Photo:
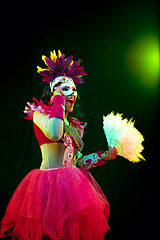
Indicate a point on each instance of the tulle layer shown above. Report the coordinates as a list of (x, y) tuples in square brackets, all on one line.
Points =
[(63, 203)]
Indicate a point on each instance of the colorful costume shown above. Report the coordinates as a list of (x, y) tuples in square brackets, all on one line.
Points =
[(61, 200)]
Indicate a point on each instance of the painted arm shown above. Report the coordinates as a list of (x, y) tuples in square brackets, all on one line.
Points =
[(96, 159), (52, 125)]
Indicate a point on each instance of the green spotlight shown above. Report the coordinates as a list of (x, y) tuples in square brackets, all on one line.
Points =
[(143, 61)]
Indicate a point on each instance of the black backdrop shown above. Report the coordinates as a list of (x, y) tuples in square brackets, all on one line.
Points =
[(98, 34)]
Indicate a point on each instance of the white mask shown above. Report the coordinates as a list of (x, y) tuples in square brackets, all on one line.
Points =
[(68, 87)]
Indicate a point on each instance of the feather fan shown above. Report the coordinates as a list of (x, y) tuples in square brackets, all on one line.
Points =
[(122, 134)]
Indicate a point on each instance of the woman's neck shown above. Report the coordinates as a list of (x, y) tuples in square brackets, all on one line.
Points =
[(66, 115), (66, 121)]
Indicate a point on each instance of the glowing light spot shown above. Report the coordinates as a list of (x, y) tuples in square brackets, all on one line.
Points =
[(143, 61)]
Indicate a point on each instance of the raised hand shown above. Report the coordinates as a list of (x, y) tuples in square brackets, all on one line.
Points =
[(110, 154)]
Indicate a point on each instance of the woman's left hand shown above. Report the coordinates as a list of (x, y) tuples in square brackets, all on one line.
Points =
[(110, 154)]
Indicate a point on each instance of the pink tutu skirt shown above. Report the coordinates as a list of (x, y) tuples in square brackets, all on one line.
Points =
[(58, 204)]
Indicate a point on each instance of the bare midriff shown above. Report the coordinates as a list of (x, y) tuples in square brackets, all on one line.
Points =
[(53, 155)]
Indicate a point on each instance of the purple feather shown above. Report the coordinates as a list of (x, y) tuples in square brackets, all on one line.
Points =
[(68, 61), (50, 64), (62, 68)]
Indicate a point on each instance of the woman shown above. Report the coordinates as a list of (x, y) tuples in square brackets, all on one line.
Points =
[(61, 200)]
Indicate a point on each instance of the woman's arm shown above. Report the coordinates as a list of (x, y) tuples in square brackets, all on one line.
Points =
[(52, 128), (96, 159), (52, 125)]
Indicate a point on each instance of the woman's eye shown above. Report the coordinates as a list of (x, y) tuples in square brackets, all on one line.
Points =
[(65, 89)]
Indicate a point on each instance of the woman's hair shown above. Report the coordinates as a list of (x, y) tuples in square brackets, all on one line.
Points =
[(77, 110)]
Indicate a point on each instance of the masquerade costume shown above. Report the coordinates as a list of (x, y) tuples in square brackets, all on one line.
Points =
[(62, 200)]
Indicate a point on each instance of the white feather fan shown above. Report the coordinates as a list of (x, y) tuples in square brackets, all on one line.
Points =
[(122, 134)]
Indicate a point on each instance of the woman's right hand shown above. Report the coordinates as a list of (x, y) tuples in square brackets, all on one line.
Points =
[(56, 92)]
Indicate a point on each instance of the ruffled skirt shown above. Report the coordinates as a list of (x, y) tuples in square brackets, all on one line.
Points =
[(60, 203)]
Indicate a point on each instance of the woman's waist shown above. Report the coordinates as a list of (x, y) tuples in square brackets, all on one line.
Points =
[(48, 163), (57, 156)]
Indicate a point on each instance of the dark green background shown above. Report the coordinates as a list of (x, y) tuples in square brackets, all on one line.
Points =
[(100, 34)]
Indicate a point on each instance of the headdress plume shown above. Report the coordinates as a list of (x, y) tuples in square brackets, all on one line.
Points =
[(61, 66)]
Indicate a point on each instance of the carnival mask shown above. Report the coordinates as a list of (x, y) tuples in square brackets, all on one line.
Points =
[(67, 85)]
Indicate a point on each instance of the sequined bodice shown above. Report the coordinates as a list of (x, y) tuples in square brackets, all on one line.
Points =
[(68, 159)]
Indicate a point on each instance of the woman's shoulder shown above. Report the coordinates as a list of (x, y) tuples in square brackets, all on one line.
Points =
[(32, 109)]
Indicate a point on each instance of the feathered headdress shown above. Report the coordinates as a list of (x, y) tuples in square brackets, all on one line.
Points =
[(59, 66)]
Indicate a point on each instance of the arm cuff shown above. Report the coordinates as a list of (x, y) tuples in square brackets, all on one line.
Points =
[(58, 107), (91, 160)]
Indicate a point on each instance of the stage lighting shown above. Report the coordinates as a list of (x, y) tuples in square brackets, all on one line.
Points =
[(143, 61)]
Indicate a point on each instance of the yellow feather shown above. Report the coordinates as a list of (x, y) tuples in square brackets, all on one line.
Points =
[(53, 56), (43, 58), (59, 53), (39, 69), (71, 63)]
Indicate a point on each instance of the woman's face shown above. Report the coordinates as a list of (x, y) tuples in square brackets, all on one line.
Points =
[(68, 90), (70, 94)]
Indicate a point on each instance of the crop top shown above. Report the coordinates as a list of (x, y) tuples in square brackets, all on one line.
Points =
[(42, 139)]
